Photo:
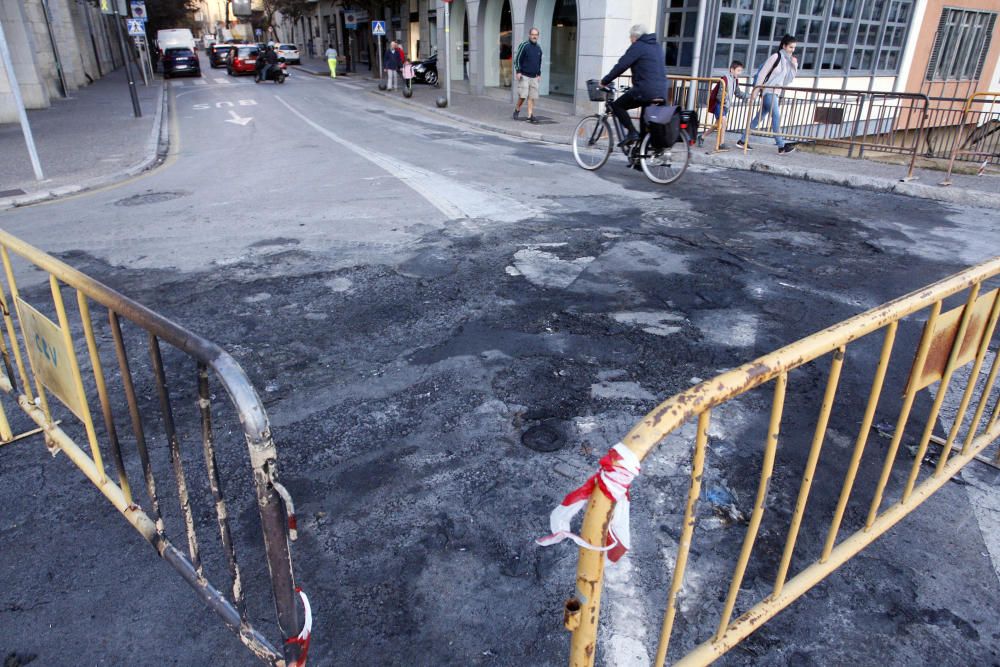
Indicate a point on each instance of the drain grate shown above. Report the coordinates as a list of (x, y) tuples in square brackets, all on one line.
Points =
[(12, 193)]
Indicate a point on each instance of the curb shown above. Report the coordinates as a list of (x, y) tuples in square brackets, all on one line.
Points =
[(873, 184), (950, 195), (156, 151)]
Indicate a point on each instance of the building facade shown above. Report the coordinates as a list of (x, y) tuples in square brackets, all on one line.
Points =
[(56, 46), (876, 45)]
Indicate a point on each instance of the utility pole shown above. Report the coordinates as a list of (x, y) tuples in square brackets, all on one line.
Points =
[(136, 109), (19, 103)]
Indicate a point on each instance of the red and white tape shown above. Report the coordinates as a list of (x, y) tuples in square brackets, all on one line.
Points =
[(618, 468), (303, 637)]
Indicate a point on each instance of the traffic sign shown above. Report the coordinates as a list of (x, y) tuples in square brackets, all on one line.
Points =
[(378, 28), (138, 9), (136, 27)]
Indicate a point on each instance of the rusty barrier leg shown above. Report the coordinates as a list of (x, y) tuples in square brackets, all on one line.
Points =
[(957, 338), (962, 138), (53, 371)]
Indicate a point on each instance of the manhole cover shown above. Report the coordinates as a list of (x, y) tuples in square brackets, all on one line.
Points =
[(544, 437), (150, 198)]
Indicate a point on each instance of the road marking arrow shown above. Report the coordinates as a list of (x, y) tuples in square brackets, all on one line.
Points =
[(238, 119)]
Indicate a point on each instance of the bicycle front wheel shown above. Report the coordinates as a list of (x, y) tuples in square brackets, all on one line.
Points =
[(592, 142), (665, 166)]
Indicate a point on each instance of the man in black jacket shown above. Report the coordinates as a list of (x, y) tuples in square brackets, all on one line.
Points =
[(649, 77), (528, 70)]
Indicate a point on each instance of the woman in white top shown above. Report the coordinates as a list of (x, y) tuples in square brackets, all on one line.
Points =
[(777, 71)]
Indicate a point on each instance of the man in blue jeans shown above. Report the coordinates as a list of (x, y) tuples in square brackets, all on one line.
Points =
[(778, 71)]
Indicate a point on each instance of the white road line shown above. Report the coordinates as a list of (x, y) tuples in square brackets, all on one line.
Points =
[(453, 199)]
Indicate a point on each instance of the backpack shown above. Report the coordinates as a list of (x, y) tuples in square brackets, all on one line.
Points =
[(756, 75), (713, 97)]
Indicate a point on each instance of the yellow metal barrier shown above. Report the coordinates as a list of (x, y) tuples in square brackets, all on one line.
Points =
[(950, 340), (992, 148), (694, 92), (44, 353)]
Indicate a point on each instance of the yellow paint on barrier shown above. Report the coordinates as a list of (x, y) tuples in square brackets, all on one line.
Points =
[(49, 356)]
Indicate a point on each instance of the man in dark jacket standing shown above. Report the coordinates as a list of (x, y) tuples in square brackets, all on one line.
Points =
[(391, 63), (649, 76), (528, 71)]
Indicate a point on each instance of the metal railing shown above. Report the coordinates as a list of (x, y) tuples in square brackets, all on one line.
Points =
[(40, 362), (982, 141), (855, 120), (692, 92), (949, 341)]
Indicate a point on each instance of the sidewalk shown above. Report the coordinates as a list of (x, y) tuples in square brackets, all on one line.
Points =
[(557, 123), (86, 141)]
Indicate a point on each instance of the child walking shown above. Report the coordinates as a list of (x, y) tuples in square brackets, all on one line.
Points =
[(721, 99)]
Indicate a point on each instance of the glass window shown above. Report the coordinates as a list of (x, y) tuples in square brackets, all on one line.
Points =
[(743, 24), (722, 59), (764, 30), (674, 24), (680, 28), (727, 21), (687, 54)]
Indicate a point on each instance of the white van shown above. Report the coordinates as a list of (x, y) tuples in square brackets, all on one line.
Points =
[(174, 38)]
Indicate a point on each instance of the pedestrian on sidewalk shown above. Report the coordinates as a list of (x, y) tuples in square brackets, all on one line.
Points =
[(331, 60), (391, 63), (528, 70), (720, 100), (778, 71)]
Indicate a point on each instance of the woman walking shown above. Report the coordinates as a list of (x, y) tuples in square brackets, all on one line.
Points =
[(778, 71)]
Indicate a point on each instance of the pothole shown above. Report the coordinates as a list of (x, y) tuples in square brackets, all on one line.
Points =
[(150, 198), (545, 436)]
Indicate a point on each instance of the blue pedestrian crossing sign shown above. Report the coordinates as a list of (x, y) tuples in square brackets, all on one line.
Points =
[(378, 28), (136, 28)]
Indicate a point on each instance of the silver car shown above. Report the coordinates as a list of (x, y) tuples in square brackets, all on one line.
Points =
[(288, 52)]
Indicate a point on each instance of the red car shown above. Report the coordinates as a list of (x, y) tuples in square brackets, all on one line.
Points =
[(242, 59)]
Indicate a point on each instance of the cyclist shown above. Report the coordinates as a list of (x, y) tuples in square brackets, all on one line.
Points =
[(649, 77)]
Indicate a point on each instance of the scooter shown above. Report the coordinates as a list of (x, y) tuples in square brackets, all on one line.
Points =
[(426, 71), (277, 73)]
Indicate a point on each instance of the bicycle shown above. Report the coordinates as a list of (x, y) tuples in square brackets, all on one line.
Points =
[(594, 138)]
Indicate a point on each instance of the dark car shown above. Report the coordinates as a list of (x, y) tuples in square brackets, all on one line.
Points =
[(178, 61), (242, 59), (217, 54)]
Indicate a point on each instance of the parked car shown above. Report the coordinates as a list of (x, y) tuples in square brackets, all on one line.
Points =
[(242, 59), (217, 54), (180, 60), (288, 52)]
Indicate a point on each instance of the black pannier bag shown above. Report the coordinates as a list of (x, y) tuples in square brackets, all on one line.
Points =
[(689, 122), (664, 125)]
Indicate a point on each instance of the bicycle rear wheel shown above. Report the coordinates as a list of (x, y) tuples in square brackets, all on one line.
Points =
[(665, 166), (592, 142)]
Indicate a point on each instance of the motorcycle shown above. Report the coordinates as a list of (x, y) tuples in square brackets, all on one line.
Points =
[(426, 71), (277, 73)]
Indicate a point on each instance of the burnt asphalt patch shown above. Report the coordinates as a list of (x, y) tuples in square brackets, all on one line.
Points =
[(401, 395)]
